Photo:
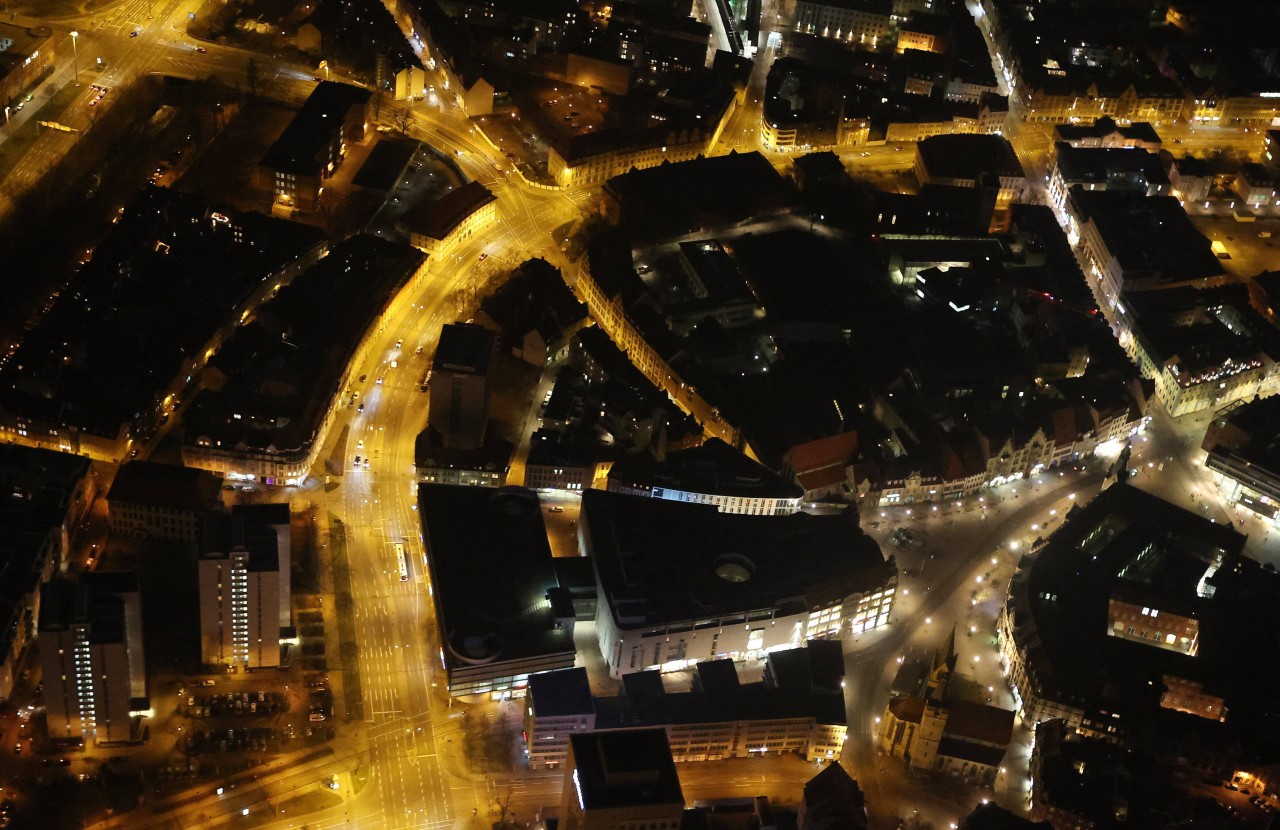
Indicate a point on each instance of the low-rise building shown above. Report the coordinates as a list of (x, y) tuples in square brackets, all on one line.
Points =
[(713, 473), (1256, 185), (1243, 446), (1104, 132), (936, 730), (1105, 168), (864, 22), (1132, 610), (797, 709), (91, 658), (148, 499), (439, 225), (313, 145), (45, 497), (494, 636), (621, 781), (1190, 179), (681, 583), (973, 161), (27, 55)]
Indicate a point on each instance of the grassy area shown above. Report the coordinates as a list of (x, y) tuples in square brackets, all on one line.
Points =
[(17, 145), (349, 652), (291, 808)]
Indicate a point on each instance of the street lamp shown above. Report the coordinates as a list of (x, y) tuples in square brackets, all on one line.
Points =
[(75, 55)]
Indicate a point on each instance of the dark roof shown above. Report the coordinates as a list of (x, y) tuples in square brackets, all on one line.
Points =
[(385, 163), (819, 666), (1096, 164), (1105, 126), (661, 561), (832, 798), (968, 156), (262, 514), (298, 149), (991, 816), (283, 368), (1150, 235), (713, 468), (464, 349), (437, 218), (558, 693), (623, 769), (951, 747), (64, 604), (978, 722), (168, 486), (482, 617), (494, 455), (536, 297)]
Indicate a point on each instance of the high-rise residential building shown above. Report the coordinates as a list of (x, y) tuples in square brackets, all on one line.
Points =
[(460, 384), (621, 781), (243, 605), (90, 642)]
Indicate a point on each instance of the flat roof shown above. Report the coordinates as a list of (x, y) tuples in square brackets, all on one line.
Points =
[(713, 468), (623, 769), (436, 219), (1097, 164), (298, 149), (169, 486), (1151, 234), (464, 349), (488, 620), (386, 163), (559, 693), (661, 561), (968, 156)]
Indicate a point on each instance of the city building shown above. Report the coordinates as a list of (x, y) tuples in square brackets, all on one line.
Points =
[(991, 816), (1190, 179), (244, 584), (91, 658), (863, 22), (566, 460), (1104, 132), (239, 604), (484, 466), (973, 161), (26, 55), (495, 635), (535, 313), (797, 709), (936, 730), (1203, 347), (460, 385), (679, 583), (823, 467), (437, 226), (313, 145), (925, 32), (713, 473), (832, 800), (148, 499), (264, 403), (1131, 241), (1243, 447), (621, 781), (1105, 168), (46, 496), (1256, 185), (1132, 620)]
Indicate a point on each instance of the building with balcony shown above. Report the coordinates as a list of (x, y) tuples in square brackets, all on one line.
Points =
[(680, 583), (91, 658)]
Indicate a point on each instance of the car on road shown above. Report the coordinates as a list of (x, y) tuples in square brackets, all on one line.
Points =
[(357, 461), (134, 33), (201, 49), (207, 682), (360, 408)]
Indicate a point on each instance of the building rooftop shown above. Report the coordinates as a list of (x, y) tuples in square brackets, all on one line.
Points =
[(299, 148), (166, 278), (64, 604), (661, 561), (555, 694), (991, 816), (1150, 236), (437, 218), (283, 368), (624, 769), (714, 468), (488, 621), (833, 799), (1103, 127), (1129, 544), (386, 163), (464, 349), (968, 156), (1098, 164), (535, 298), (166, 486)]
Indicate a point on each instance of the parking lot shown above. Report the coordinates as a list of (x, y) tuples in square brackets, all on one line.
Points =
[(1249, 247)]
